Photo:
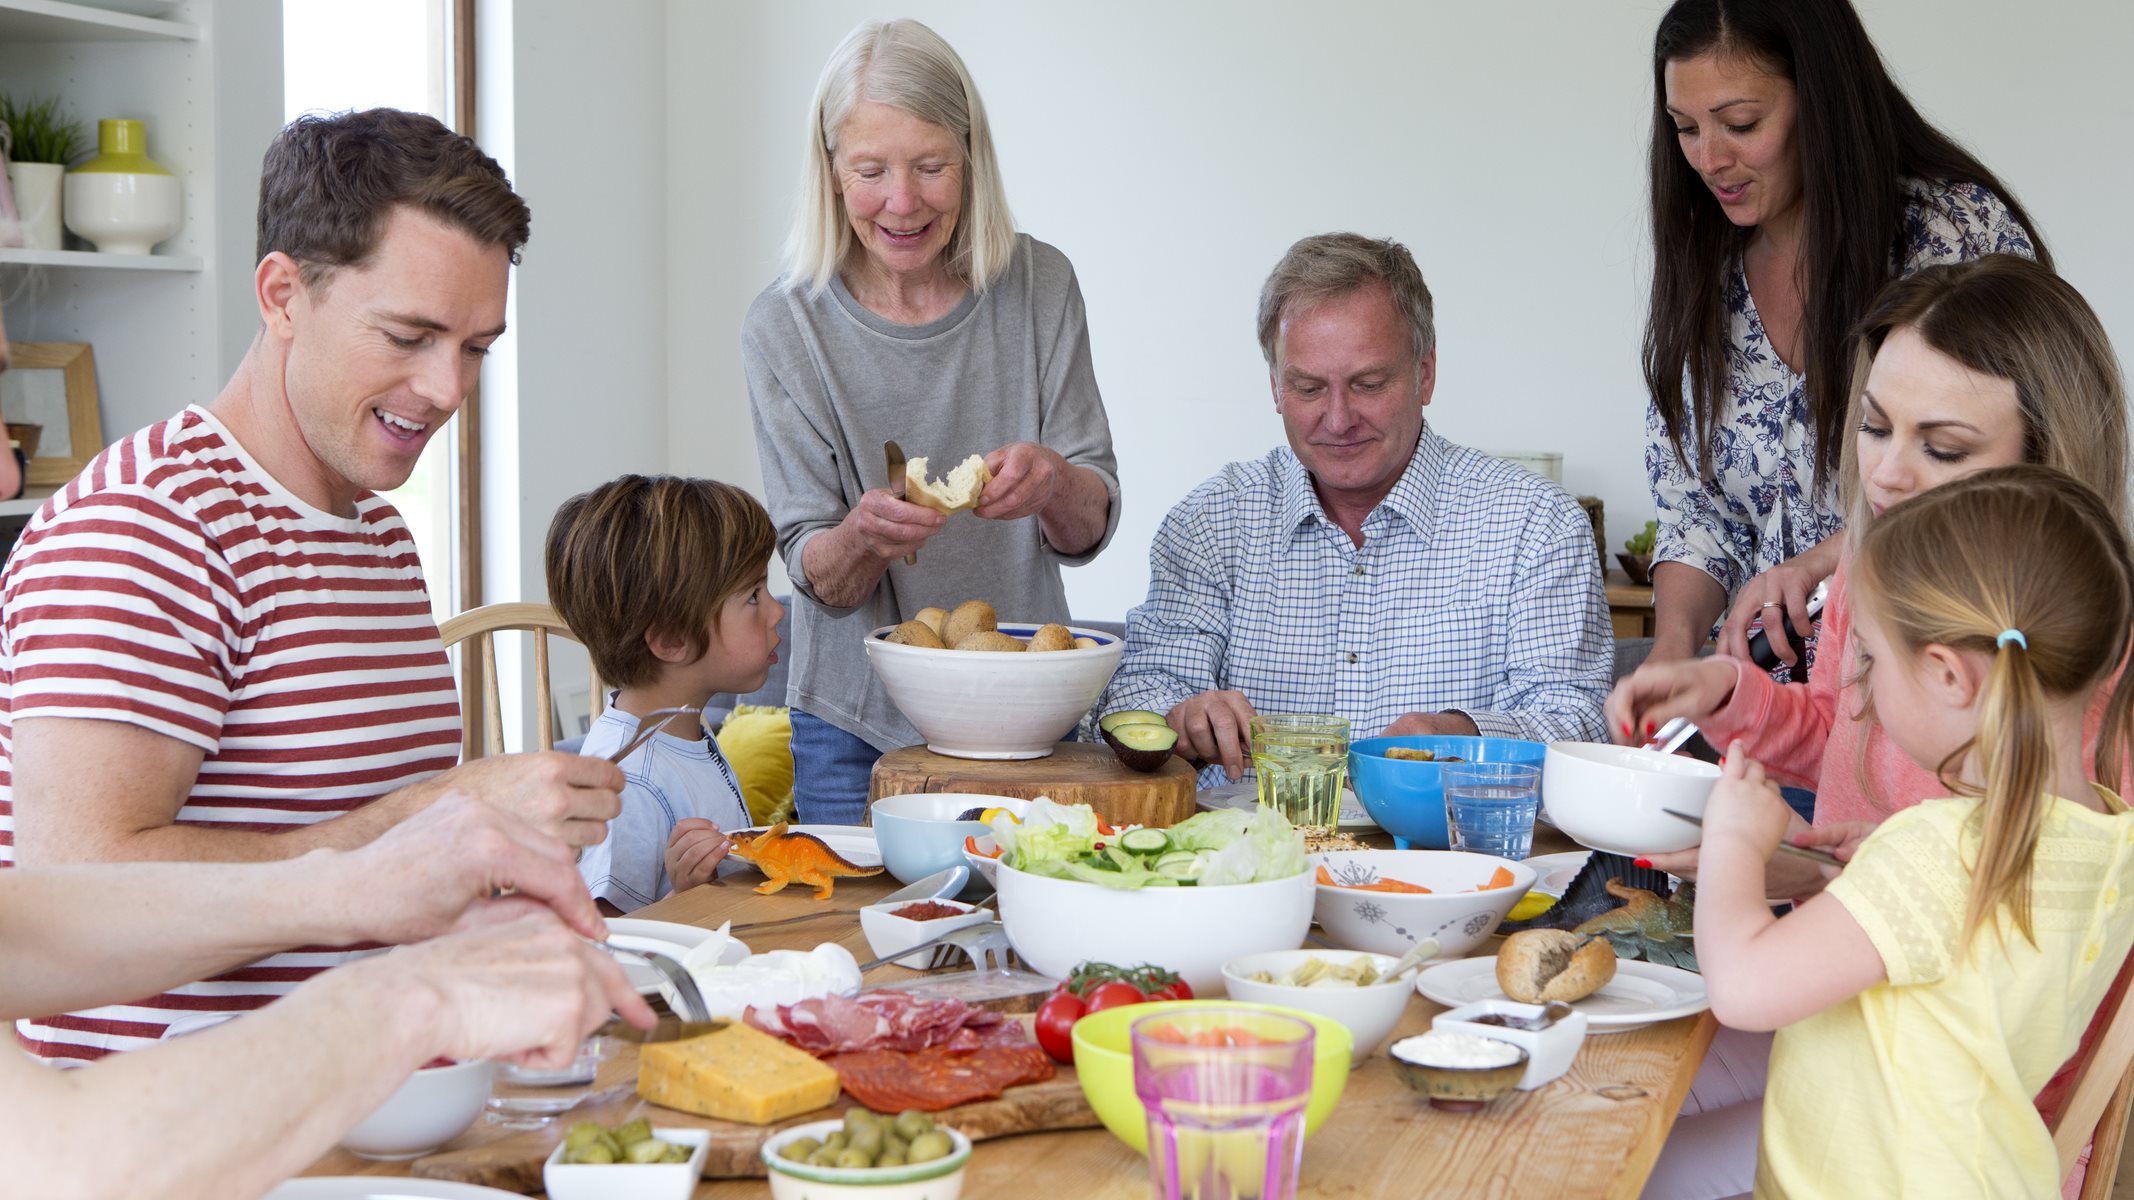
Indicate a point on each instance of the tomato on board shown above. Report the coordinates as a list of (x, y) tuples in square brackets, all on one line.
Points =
[(1116, 994), (1055, 1024)]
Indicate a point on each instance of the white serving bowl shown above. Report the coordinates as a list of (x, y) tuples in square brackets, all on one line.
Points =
[(1390, 922), (919, 833), (941, 1179), (629, 1181), (1057, 923), (1370, 1013), (994, 703), (985, 862), (1611, 797), (434, 1106), (888, 933)]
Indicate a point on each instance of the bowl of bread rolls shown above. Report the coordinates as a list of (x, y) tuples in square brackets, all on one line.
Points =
[(975, 686)]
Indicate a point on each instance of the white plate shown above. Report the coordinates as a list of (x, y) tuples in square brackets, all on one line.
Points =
[(1640, 994), (1245, 794), (1553, 873), (377, 1187), (671, 933), (853, 843)]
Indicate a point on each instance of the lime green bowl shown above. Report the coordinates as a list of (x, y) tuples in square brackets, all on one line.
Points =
[(1104, 1059)]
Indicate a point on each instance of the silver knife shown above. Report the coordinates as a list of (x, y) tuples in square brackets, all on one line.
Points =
[(895, 454), (1828, 860)]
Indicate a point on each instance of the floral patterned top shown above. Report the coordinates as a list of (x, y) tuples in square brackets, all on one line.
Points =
[(1761, 505)]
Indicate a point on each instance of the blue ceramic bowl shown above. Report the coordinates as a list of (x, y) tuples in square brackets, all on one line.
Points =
[(919, 833), (1407, 798)]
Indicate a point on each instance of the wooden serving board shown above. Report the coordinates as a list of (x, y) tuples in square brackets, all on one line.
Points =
[(1075, 773), (513, 1161)]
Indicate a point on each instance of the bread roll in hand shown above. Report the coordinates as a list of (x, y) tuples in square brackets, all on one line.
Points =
[(1539, 965)]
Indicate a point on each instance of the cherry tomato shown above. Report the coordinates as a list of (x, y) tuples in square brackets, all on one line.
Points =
[(1177, 989), (1055, 1024), (1116, 994)]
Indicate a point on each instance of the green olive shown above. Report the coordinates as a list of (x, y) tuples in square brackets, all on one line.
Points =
[(929, 1146), (635, 1131), (645, 1150), (823, 1156), (892, 1144), (581, 1133), (911, 1123), (853, 1156), (837, 1140), (857, 1119), (677, 1152), (868, 1138), (798, 1149), (890, 1160), (594, 1152)]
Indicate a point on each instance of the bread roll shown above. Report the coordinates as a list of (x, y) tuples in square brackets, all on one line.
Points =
[(932, 618), (916, 633), (1052, 637), (960, 490), (1539, 965), (971, 616), (988, 639)]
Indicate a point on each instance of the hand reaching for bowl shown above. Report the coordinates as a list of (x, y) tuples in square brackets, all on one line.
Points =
[(1658, 692)]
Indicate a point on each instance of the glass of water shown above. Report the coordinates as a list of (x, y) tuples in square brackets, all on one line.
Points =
[(1300, 760), (1491, 807), (523, 1098)]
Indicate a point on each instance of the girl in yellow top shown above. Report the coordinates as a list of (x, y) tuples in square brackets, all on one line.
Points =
[(1927, 994)]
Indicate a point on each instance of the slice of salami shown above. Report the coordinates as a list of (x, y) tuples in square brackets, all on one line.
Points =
[(937, 1078)]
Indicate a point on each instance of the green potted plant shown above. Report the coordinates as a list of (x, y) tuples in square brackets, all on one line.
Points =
[(1637, 562), (40, 140)]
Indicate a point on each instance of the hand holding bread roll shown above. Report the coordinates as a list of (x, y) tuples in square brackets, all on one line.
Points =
[(1539, 965), (957, 491)]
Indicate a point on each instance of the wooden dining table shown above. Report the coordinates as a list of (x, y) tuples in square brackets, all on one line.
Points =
[(1595, 1132)]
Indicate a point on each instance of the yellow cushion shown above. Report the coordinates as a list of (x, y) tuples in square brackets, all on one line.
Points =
[(758, 743)]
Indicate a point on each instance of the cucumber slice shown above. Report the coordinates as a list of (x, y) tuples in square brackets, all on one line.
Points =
[(1182, 865), (1145, 841)]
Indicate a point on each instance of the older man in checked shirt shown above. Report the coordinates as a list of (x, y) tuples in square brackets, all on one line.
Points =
[(1370, 568)]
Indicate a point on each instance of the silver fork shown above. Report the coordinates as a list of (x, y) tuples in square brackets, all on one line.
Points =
[(987, 945), (688, 1000), (652, 723)]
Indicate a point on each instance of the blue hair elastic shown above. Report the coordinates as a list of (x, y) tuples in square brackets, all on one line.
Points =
[(2011, 635)]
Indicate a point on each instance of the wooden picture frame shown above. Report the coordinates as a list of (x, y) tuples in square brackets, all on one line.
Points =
[(58, 458)]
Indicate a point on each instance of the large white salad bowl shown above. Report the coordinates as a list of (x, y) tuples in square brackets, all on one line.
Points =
[(1058, 923)]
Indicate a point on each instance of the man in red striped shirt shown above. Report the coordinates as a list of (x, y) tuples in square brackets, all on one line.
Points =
[(216, 642)]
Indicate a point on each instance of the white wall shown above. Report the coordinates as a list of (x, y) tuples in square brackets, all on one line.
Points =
[(1174, 149)]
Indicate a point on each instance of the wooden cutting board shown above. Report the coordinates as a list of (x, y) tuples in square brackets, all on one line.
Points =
[(513, 1161), (1075, 773)]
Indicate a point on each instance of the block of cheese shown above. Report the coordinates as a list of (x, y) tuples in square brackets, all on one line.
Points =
[(735, 1074)]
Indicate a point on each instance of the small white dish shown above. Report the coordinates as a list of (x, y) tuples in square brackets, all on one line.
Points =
[(1641, 993), (629, 1181), (1553, 873), (985, 860), (1369, 1012), (434, 1105), (941, 1179), (887, 933), (1549, 1051), (853, 843)]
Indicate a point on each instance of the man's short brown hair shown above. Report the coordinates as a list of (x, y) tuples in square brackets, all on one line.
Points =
[(1327, 265), (329, 183), (652, 553)]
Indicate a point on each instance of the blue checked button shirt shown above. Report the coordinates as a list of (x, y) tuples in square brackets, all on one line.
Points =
[(1477, 590)]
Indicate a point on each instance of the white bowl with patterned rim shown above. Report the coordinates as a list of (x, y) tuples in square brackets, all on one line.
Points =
[(1000, 704), (1458, 910), (939, 1179)]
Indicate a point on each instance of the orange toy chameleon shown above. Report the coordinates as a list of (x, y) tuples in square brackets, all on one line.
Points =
[(795, 858)]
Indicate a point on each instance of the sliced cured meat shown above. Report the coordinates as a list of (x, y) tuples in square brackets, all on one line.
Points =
[(877, 1020), (938, 1078)]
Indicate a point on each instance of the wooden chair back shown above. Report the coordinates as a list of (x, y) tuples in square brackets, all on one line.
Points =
[(478, 696), (2096, 1110)]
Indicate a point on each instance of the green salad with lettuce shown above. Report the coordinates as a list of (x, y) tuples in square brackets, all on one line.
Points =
[(1209, 849)]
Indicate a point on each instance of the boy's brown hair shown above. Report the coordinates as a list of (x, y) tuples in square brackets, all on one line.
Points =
[(329, 183), (652, 553)]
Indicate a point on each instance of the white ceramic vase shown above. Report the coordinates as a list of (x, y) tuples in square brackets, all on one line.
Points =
[(37, 202), (122, 201)]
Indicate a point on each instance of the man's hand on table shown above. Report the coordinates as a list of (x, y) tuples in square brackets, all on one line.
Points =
[(1215, 727), (525, 991), (458, 864), (1439, 724), (570, 797)]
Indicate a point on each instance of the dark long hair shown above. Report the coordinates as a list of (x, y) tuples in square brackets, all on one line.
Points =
[(1859, 137)]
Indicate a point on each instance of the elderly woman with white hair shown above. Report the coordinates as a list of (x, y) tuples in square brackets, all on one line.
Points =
[(911, 310)]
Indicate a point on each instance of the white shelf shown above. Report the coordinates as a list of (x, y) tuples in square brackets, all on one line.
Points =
[(94, 260), (58, 21)]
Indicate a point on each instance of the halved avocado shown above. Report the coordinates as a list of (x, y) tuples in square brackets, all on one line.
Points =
[(1127, 716), (1143, 747)]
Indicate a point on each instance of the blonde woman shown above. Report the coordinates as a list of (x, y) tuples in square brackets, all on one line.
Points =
[(911, 310)]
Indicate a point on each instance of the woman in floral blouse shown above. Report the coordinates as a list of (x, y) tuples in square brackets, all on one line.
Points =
[(1791, 179)]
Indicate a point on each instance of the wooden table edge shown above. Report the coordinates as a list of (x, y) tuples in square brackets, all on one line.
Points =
[(1645, 1152)]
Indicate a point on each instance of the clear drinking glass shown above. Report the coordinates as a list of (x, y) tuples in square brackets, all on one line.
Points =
[(1300, 760), (521, 1098), (1225, 1090), (1491, 807)]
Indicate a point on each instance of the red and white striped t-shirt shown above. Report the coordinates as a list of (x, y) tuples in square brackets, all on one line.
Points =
[(176, 586)]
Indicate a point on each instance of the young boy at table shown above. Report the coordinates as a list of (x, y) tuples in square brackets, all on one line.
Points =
[(1930, 990), (663, 580)]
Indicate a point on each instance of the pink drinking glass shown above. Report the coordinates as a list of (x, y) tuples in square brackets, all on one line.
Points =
[(1225, 1090)]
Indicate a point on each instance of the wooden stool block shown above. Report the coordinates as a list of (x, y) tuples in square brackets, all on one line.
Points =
[(1076, 773)]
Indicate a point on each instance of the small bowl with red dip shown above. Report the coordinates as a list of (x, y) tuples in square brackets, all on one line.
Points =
[(896, 927), (435, 1105)]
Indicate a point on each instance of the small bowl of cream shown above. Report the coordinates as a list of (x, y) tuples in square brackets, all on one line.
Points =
[(1457, 1071)]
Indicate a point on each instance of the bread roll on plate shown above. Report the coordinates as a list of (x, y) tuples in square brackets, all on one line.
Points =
[(1539, 965)]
